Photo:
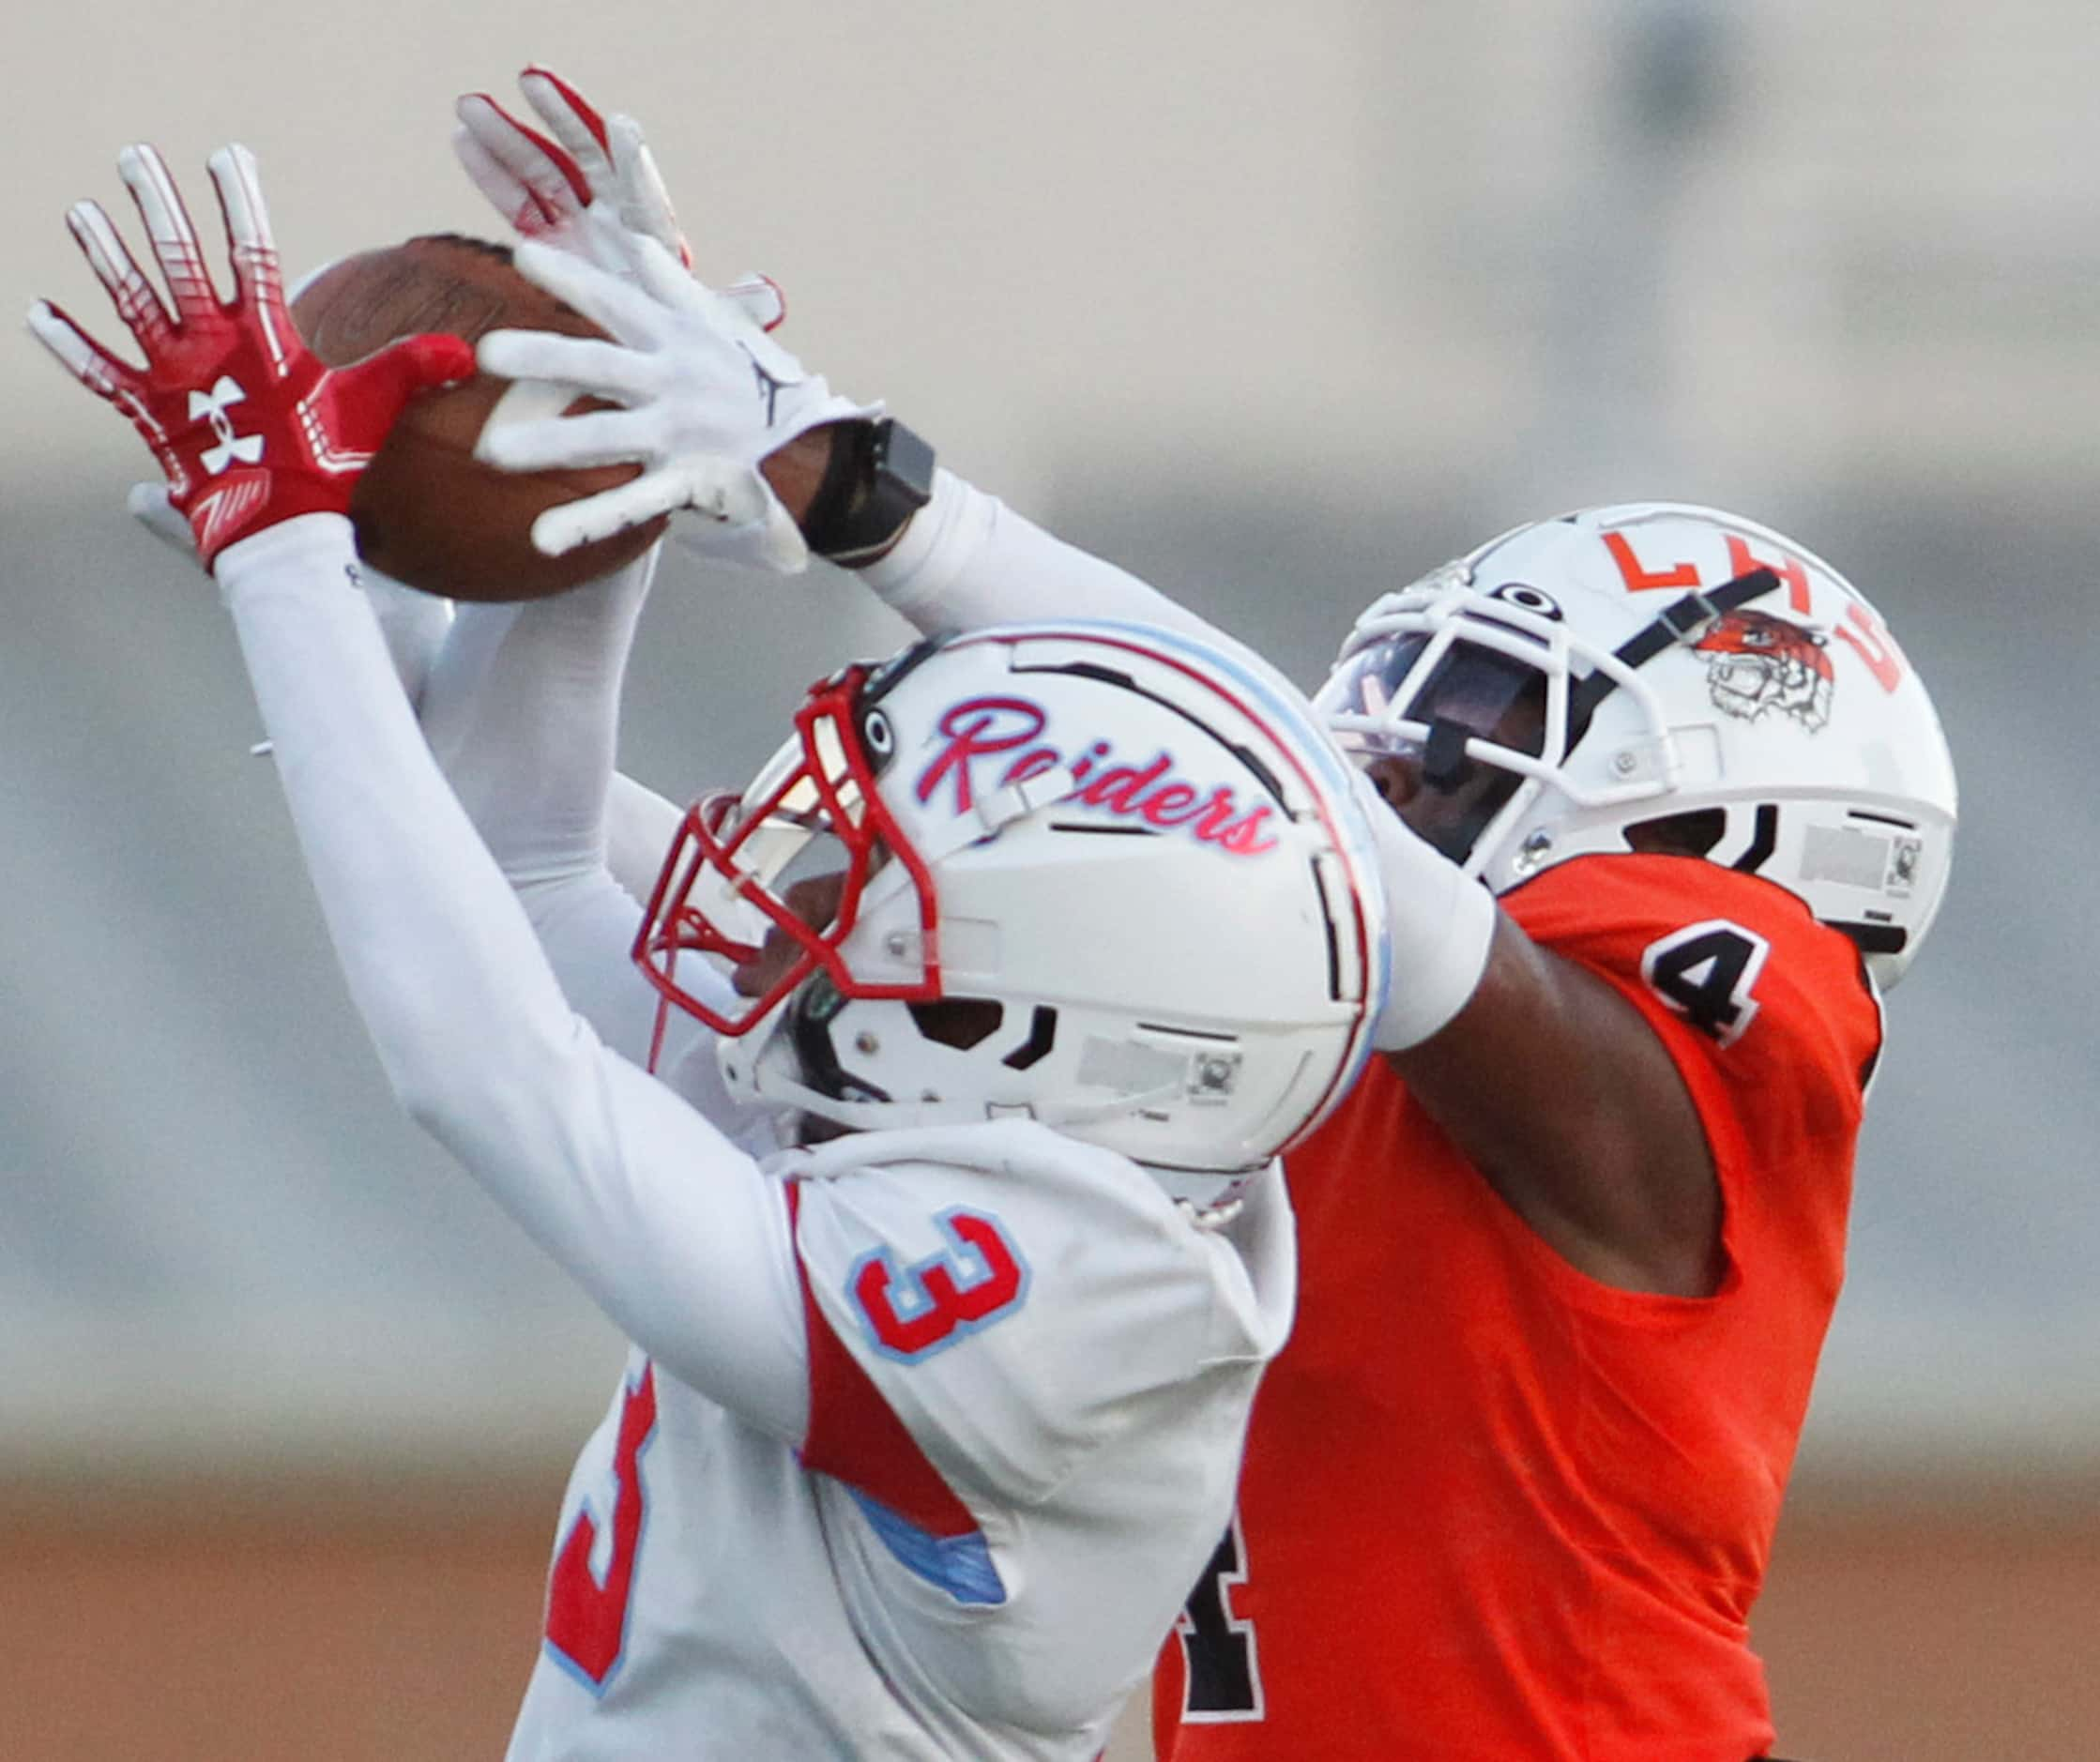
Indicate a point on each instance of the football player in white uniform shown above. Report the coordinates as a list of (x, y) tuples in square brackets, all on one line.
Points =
[(1022, 962)]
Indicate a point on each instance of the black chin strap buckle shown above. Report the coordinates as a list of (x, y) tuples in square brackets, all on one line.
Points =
[(1687, 617)]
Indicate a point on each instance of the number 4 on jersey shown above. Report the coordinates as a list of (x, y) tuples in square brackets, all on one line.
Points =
[(1706, 973), (1222, 1675)]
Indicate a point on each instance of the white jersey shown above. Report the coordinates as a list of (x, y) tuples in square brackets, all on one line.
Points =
[(926, 1434), (1029, 1378)]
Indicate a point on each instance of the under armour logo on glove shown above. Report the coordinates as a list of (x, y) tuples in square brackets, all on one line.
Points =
[(212, 407), (204, 355)]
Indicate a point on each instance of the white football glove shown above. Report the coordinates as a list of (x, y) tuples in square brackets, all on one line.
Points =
[(706, 395), (541, 187)]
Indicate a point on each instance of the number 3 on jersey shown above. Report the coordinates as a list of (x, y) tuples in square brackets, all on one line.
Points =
[(913, 1312), (1706, 973), (586, 1609)]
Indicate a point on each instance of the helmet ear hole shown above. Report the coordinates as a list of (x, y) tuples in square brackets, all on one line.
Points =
[(958, 1022), (1691, 834)]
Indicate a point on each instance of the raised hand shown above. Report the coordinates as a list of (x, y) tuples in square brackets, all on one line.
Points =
[(706, 395), (250, 428), (544, 186)]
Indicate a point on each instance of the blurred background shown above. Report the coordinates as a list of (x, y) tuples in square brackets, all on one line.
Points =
[(1279, 307)]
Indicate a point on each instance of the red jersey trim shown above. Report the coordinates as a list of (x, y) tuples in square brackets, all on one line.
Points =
[(855, 1436)]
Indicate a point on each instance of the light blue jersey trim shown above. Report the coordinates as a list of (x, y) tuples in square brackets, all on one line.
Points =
[(959, 1565), (908, 1301)]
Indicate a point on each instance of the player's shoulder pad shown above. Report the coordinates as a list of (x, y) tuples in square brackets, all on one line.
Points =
[(1733, 969), (1016, 1297)]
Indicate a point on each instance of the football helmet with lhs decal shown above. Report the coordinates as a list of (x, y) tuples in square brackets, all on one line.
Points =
[(1103, 877), (1661, 677)]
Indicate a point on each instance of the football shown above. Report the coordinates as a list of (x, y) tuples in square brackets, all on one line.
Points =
[(426, 512)]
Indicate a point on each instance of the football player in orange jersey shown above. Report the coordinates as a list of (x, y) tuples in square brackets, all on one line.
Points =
[(1567, 1264), (1669, 810)]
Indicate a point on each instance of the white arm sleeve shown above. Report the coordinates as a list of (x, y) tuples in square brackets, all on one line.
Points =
[(671, 1229), (1439, 925), (967, 560), (522, 711), (414, 625), (639, 827)]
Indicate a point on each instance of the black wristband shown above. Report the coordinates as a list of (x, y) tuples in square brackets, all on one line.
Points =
[(879, 474)]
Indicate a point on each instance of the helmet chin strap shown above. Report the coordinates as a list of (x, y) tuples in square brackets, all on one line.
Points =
[(1681, 621)]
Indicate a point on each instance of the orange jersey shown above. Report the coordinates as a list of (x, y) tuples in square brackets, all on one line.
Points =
[(1492, 1510)]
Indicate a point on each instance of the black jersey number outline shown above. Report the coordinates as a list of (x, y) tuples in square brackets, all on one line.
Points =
[(1706, 972), (1221, 1674)]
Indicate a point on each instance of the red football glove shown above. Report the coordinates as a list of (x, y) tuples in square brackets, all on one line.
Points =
[(250, 429)]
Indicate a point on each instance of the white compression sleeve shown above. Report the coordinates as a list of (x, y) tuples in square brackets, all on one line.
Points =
[(967, 560), (639, 827), (522, 710), (672, 1230), (413, 624), (1440, 924)]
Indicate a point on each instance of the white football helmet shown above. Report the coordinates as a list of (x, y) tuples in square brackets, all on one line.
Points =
[(1661, 677), (1099, 875)]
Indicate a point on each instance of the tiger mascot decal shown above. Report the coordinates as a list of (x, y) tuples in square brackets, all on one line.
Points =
[(1756, 662)]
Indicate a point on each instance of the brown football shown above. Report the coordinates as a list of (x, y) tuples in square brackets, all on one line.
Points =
[(427, 512)]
